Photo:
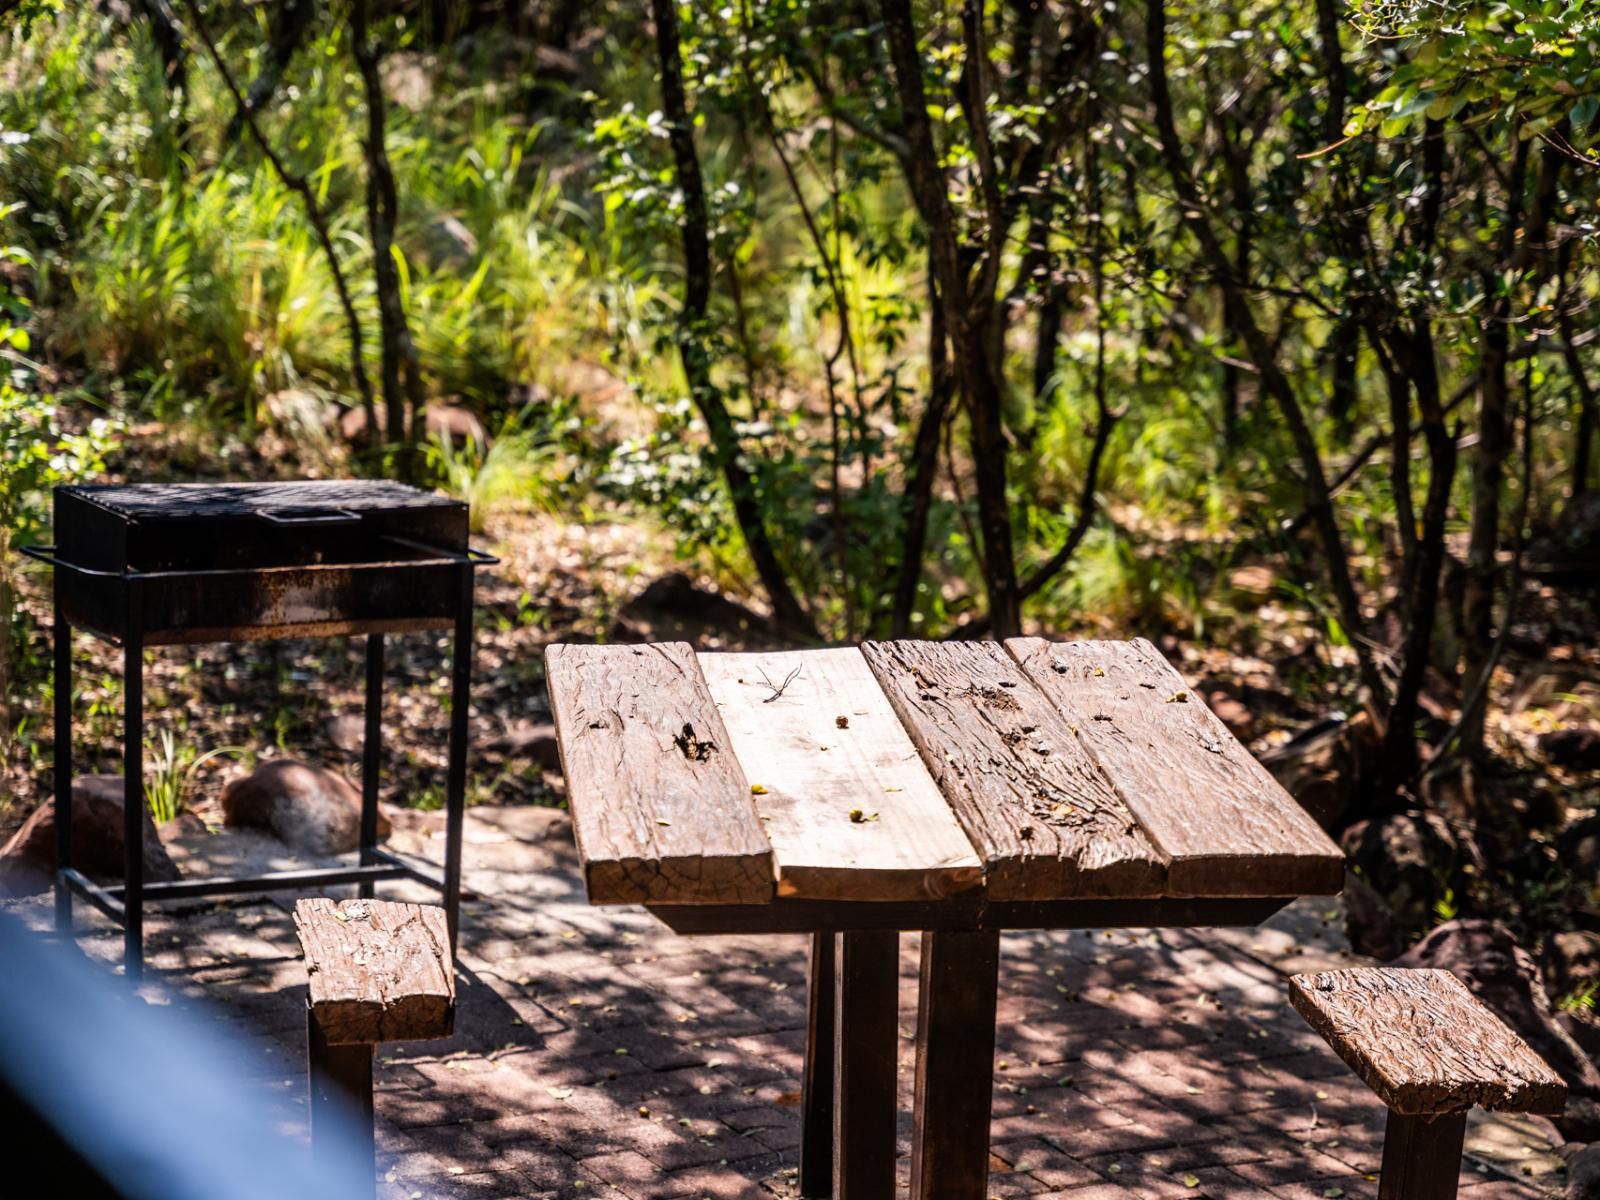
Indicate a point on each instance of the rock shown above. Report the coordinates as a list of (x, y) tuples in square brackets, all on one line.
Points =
[(533, 740), (450, 422), (301, 412), (312, 809), (348, 732), (675, 608), (1484, 956), (28, 860), (1576, 747), (1578, 848), (1323, 766), (1571, 960), (1583, 1174), (1396, 857)]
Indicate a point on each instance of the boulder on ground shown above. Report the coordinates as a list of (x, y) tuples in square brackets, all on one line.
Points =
[(1583, 1173), (28, 860), (311, 809), (532, 740), (449, 422), (1578, 849), (675, 608), (1484, 956), (1571, 961)]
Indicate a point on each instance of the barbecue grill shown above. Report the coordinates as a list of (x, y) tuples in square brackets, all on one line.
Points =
[(168, 564)]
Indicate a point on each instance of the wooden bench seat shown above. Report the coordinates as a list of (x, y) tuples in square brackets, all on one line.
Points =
[(377, 971), (1430, 1050)]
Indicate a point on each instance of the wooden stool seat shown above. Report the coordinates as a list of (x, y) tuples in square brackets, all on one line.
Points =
[(1430, 1050), (378, 972)]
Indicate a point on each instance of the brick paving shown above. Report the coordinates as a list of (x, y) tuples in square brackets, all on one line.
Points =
[(599, 1055)]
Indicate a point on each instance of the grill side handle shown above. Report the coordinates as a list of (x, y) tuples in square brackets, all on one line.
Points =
[(303, 516)]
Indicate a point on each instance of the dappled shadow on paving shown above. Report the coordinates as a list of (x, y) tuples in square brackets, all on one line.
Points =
[(598, 1054)]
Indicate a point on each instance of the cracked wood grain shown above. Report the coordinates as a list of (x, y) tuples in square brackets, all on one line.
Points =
[(850, 810), (661, 809), (1424, 1043), (1225, 826), (1044, 820), (378, 971)]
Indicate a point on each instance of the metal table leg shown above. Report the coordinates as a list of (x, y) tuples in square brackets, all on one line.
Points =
[(371, 751), (133, 783), (816, 1095), (456, 779), (955, 1066), (63, 797), (866, 1041)]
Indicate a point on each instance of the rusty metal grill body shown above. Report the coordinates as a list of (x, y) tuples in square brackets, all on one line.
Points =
[(168, 564)]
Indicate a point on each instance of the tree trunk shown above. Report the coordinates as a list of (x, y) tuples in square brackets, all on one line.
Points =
[(787, 612), (970, 318), (400, 374), (918, 497)]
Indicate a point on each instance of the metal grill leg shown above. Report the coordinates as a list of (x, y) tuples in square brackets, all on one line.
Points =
[(63, 798), (456, 780), (371, 750), (133, 785), (816, 1096)]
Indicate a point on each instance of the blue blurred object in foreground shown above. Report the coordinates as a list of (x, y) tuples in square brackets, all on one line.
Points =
[(102, 1094)]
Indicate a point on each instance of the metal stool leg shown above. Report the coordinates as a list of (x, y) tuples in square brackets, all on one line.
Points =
[(456, 780), (133, 785), (816, 1096), (63, 797), (371, 750)]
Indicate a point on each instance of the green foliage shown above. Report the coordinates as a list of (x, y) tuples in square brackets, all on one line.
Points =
[(170, 773), (1533, 63)]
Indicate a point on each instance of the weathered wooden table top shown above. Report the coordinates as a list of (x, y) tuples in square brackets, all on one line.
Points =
[(916, 771)]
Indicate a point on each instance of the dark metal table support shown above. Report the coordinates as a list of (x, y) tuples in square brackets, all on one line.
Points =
[(866, 1044), (132, 783), (125, 903), (816, 1085), (956, 1003), (1422, 1156), (456, 776), (371, 752), (63, 796)]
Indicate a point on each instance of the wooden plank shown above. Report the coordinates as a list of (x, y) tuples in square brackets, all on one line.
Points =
[(1224, 824), (1046, 823), (850, 810), (379, 971), (1424, 1043), (661, 810)]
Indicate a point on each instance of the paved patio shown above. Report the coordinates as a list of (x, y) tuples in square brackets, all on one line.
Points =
[(599, 1055)]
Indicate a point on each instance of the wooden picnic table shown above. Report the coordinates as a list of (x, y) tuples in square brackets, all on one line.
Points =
[(957, 788)]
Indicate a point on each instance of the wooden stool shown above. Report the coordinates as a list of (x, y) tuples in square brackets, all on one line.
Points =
[(1430, 1050), (378, 972)]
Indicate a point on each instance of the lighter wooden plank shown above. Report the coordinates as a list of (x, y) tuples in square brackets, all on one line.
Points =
[(1045, 822), (378, 971), (661, 810), (828, 745), (1224, 824), (1424, 1043)]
